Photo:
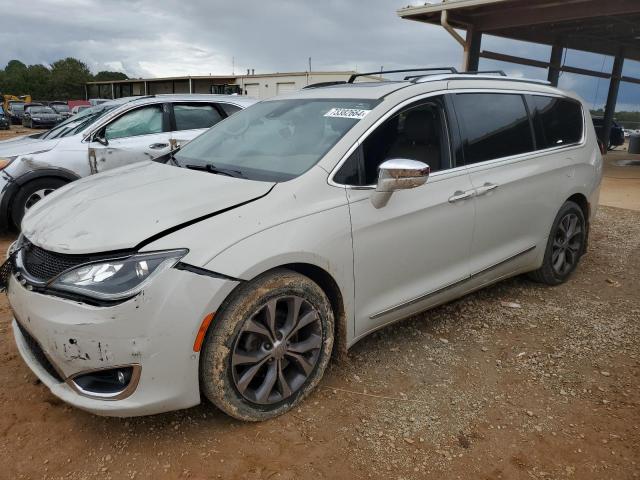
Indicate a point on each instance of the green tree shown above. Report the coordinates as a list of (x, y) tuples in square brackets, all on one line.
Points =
[(38, 82), (15, 78), (68, 78), (107, 75)]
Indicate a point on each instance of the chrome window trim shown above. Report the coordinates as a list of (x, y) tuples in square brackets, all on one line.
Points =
[(422, 96)]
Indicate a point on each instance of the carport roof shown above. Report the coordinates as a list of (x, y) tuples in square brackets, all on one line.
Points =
[(599, 26)]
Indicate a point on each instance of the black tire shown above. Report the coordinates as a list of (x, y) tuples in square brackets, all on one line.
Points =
[(234, 336), (564, 244), (26, 196)]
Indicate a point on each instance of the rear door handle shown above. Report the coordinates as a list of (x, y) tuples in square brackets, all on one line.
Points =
[(486, 188), (158, 146), (460, 195)]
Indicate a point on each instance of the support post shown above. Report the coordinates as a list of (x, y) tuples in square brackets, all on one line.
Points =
[(612, 96), (555, 63), (113, 91), (190, 85), (472, 51), (146, 88)]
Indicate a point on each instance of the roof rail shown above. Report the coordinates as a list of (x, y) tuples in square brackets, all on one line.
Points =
[(477, 76), (380, 72), (324, 84)]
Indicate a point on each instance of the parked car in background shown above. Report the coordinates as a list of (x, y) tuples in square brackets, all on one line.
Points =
[(101, 138), (61, 108), (616, 136), (79, 108), (5, 123), (15, 111), (39, 116), (294, 228)]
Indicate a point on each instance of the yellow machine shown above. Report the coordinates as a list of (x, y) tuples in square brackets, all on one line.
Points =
[(14, 98)]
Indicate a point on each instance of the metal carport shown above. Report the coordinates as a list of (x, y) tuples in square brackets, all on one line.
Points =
[(610, 27)]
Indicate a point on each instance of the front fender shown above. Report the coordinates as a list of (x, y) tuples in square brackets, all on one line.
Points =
[(322, 240)]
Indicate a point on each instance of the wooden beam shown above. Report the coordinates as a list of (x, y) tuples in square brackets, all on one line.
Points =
[(612, 97), (555, 62), (536, 13), (501, 57)]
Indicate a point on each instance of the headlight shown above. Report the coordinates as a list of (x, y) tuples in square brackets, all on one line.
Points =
[(37, 119), (117, 278), (5, 161)]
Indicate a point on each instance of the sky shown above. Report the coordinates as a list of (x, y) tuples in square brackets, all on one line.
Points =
[(155, 38)]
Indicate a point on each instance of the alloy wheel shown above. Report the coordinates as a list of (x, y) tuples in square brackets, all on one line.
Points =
[(567, 244), (36, 196), (276, 350)]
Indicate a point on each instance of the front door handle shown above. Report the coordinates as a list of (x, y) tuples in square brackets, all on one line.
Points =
[(460, 195), (158, 146), (486, 188)]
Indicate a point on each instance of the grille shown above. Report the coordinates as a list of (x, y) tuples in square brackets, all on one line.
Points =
[(39, 355), (44, 265)]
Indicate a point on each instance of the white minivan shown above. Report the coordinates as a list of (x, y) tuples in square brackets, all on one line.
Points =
[(290, 231), (105, 136)]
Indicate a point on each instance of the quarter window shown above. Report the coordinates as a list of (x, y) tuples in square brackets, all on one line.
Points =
[(493, 125), (557, 121), (142, 121), (195, 115)]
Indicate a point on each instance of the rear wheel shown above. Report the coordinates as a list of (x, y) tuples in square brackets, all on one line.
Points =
[(30, 194), (565, 246), (269, 346)]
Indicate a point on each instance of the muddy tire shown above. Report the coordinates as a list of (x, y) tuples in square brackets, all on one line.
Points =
[(565, 246), (268, 346), (31, 193)]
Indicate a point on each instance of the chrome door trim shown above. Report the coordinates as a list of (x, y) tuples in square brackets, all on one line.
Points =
[(438, 291)]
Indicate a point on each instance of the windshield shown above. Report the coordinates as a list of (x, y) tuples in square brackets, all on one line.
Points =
[(79, 122), (276, 140), (34, 110), (60, 108), (17, 107)]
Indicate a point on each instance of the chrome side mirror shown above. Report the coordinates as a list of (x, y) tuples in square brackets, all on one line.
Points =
[(401, 174)]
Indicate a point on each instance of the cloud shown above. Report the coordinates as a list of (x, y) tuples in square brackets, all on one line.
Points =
[(154, 38)]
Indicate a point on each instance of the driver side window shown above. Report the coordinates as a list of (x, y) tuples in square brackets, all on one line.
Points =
[(417, 132), (141, 121)]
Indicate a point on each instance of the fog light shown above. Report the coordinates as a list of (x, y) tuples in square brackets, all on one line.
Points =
[(104, 382)]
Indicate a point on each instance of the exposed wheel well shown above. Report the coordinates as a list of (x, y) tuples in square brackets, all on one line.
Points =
[(329, 286), (583, 203)]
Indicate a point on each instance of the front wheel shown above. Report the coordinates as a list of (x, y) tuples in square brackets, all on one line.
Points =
[(565, 246), (268, 347), (30, 194)]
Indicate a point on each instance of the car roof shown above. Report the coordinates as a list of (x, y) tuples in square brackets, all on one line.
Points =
[(364, 90)]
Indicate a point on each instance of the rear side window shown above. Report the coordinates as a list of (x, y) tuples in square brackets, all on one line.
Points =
[(493, 125), (557, 121), (195, 115)]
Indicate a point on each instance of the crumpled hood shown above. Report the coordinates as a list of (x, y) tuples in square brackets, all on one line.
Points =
[(25, 145), (122, 208)]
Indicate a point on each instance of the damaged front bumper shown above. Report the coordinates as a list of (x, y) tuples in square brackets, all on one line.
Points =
[(146, 343)]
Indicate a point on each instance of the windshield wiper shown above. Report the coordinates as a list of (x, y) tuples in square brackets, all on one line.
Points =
[(209, 167)]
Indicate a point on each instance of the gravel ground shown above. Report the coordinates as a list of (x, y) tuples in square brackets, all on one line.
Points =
[(516, 381)]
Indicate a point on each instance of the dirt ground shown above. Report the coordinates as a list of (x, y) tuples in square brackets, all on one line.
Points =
[(518, 381)]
